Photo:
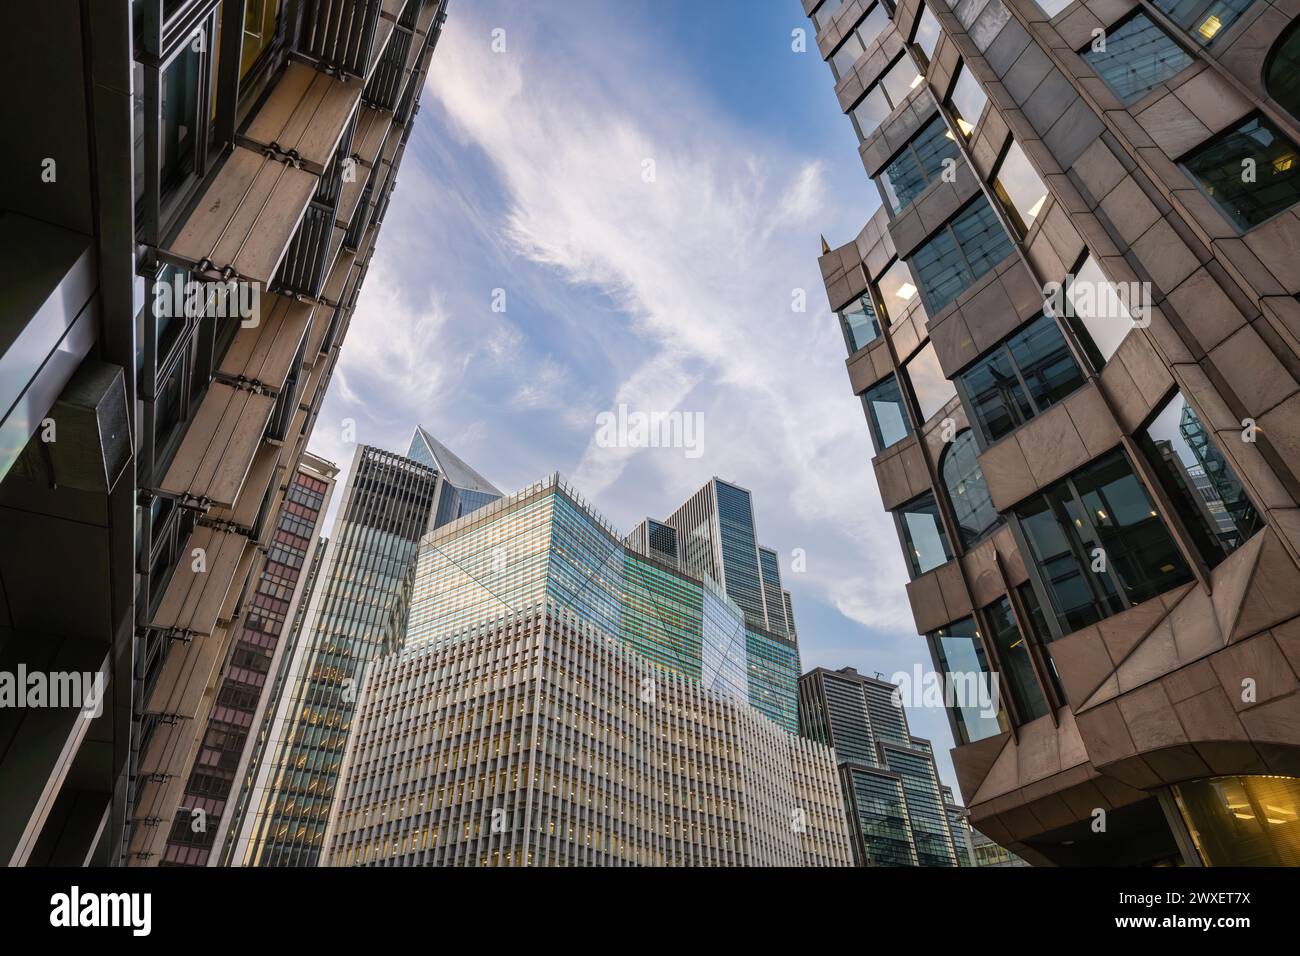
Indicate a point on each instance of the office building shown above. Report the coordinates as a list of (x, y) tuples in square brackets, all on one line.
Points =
[(898, 812), (186, 220), (1074, 332)]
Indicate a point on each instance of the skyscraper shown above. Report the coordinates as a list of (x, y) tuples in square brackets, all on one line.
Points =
[(357, 612), (563, 698), (898, 812), (1081, 285), (187, 218)]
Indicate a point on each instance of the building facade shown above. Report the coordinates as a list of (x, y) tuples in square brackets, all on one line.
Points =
[(538, 739), (188, 221), (1074, 330), (357, 612), (898, 812)]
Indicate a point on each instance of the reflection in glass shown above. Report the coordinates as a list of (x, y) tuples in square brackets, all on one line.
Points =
[(1137, 56), (958, 652), (1018, 187), (925, 541), (1203, 19), (896, 289), (958, 253), (930, 386), (1097, 313), (967, 491), (919, 163), (1017, 669), (1243, 821), (885, 413), (180, 100), (858, 319), (927, 33), (1217, 167), (967, 100)]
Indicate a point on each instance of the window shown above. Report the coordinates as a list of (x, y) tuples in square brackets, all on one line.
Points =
[(1282, 76), (885, 413), (1136, 57), (1053, 7), (930, 386), (967, 101), (180, 107), (896, 289), (1217, 167), (885, 95), (856, 42), (1099, 544), (858, 320), (926, 35), (1096, 312), (1024, 376), (919, 163), (825, 10), (259, 31), (925, 543), (967, 492), (1209, 498), (1243, 821), (1203, 19), (963, 249), (1017, 668), (959, 655), (1019, 188)]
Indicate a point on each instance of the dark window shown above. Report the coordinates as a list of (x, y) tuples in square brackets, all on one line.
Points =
[(1203, 19), (1209, 498), (959, 655), (1254, 146), (924, 540), (180, 106), (885, 413), (1025, 375), (1282, 77), (858, 320), (1099, 543), (963, 249), (919, 163), (1136, 57), (1017, 668), (967, 491), (1039, 631)]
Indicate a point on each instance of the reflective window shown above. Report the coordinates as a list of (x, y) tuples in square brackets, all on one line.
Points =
[(960, 653), (180, 101), (885, 413), (1099, 544), (961, 251), (1097, 313), (1282, 77), (919, 163), (967, 491), (1203, 19), (858, 319), (1218, 166), (1243, 821), (901, 79), (1017, 668), (1053, 7), (1019, 188), (259, 30), (930, 386), (825, 11), (885, 95), (1136, 57), (1210, 500), (927, 32), (1024, 376), (856, 42), (925, 543), (896, 289), (967, 100)]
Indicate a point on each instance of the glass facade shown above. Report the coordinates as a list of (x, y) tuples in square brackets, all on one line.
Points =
[(1016, 667), (962, 250), (1255, 146), (859, 322), (925, 543), (959, 656), (1282, 75), (1019, 188), (885, 95), (886, 413), (1099, 544), (740, 573), (1024, 376), (926, 813), (932, 388), (878, 814), (897, 291), (968, 493), (1136, 57), (858, 39), (919, 163), (1243, 821), (1203, 19), (773, 663), (967, 101)]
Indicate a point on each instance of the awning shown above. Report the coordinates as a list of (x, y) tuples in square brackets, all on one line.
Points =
[(304, 117), (262, 355), (260, 476), (193, 600), (217, 450)]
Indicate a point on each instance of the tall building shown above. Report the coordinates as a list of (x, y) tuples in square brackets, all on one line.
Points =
[(564, 699), (1080, 285), (898, 812), (186, 221), (357, 612)]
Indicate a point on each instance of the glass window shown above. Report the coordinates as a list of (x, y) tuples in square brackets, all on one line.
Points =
[(180, 101), (856, 41), (825, 11), (961, 251), (1211, 501), (885, 95), (925, 543), (1096, 312), (1218, 166), (901, 79), (1017, 668), (1019, 188), (870, 111), (1135, 57), (927, 32), (967, 100), (846, 54), (1053, 7), (885, 413), (1243, 821), (1099, 543), (1024, 376), (967, 491), (930, 386), (959, 654), (1282, 77), (896, 289), (919, 163), (259, 30), (858, 319), (1203, 19)]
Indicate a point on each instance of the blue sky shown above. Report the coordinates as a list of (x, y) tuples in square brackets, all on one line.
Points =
[(525, 174)]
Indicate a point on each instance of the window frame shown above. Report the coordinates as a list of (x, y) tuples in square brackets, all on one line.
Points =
[(1000, 518), (1228, 217), (909, 149), (873, 426), (1121, 22), (878, 84), (898, 512), (948, 228)]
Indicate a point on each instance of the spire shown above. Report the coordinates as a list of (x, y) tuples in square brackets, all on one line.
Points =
[(825, 248)]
